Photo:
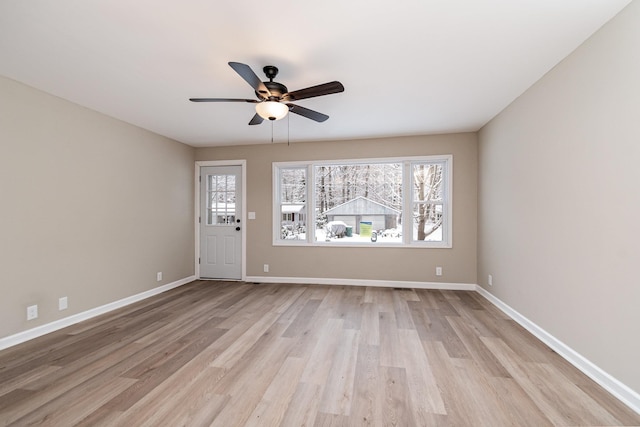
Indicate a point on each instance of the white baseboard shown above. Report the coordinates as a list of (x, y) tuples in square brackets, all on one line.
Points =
[(621, 391), (38, 331), (359, 282)]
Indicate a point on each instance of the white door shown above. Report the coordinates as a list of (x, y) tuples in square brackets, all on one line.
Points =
[(220, 222)]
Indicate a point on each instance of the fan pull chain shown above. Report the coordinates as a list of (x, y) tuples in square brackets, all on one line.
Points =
[(288, 122), (272, 131)]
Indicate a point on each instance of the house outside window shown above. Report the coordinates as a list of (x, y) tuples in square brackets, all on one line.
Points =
[(291, 203), (371, 202)]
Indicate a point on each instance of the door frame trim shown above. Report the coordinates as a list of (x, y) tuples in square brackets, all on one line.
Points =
[(243, 167)]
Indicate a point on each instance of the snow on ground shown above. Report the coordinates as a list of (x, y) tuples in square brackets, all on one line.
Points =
[(321, 236)]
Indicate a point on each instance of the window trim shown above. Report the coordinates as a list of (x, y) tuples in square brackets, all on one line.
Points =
[(407, 201)]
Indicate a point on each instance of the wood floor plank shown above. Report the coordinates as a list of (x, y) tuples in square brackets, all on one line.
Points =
[(521, 410), (485, 407), (251, 383), (394, 400), (402, 312), (331, 420), (303, 318), (573, 398), (561, 401), (232, 354), (369, 296), (384, 299), (179, 396), (320, 359), (370, 327), (303, 407), (84, 402), (420, 319), (350, 310), (408, 294), (200, 412), (65, 379), (424, 393), (273, 405), (441, 330), (613, 406), (254, 306), (229, 357), (237, 294), (55, 353), (11, 400), (473, 320), (365, 409), (19, 381), (427, 298), (443, 303), (476, 347), (338, 389), (178, 400), (308, 338), (459, 411), (156, 373), (390, 346), (489, 307), (520, 340), (331, 304)]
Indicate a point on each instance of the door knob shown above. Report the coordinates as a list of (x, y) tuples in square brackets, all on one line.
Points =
[(237, 228)]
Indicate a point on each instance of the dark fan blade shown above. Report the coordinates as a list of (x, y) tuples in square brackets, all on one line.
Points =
[(221, 100), (310, 92), (250, 77), (309, 114), (256, 120)]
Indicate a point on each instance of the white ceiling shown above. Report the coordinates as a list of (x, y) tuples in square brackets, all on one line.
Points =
[(408, 67)]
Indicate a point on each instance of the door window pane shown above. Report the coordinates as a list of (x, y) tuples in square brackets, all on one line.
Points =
[(221, 199)]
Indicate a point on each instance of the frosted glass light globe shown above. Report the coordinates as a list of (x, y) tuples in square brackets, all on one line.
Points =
[(272, 110)]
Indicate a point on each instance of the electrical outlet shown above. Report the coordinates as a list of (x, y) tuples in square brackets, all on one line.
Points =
[(490, 280), (32, 312), (63, 303), (266, 268), (159, 276), (438, 271)]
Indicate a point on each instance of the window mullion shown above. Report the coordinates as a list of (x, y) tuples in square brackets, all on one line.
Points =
[(277, 203), (311, 203), (407, 203)]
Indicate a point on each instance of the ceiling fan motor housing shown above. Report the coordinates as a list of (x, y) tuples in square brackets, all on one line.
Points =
[(276, 89)]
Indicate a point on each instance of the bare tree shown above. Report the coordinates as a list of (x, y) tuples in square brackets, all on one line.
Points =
[(428, 186)]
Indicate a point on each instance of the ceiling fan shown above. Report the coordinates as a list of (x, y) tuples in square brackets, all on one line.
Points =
[(274, 99)]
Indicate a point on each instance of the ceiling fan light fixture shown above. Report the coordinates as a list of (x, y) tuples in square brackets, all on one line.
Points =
[(272, 110)]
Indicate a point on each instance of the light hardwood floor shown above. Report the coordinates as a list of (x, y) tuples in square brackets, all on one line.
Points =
[(235, 354)]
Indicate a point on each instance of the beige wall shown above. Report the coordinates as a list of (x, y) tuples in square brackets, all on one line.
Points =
[(91, 208), (559, 211), (398, 264)]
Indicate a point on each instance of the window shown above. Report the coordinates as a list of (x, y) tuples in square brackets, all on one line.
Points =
[(291, 203), (427, 201), (221, 199), (373, 202), (358, 201)]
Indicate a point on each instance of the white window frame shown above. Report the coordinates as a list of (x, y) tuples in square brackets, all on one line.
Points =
[(407, 202)]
